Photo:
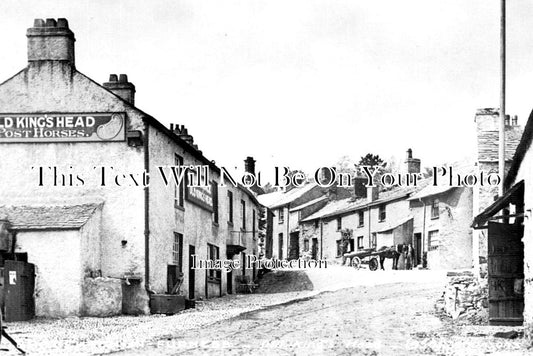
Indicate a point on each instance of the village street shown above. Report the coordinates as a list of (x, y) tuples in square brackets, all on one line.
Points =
[(347, 312), (380, 319)]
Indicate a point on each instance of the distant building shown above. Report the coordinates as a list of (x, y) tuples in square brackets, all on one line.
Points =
[(433, 220)]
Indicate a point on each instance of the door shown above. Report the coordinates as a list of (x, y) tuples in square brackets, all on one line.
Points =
[(229, 283), (19, 285), (418, 249), (294, 248), (191, 272), (505, 274), (314, 248)]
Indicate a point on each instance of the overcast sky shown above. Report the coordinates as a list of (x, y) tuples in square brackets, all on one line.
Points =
[(300, 83)]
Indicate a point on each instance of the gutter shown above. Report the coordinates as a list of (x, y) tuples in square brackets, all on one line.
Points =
[(146, 213), (423, 232)]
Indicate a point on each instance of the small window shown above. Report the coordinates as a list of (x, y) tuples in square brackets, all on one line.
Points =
[(435, 209), (316, 224), (433, 240), (230, 207), (243, 214), (281, 216), (213, 253), (360, 242), (361, 219), (339, 224), (178, 189), (306, 245), (382, 213)]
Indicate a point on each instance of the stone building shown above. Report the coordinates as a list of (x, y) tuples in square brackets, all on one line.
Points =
[(434, 220), (285, 210), (487, 134), (506, 224), (77, 157)]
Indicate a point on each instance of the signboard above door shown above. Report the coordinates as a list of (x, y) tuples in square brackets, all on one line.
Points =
[(62, 127)]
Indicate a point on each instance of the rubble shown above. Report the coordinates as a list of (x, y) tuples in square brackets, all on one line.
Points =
[(465, 298)]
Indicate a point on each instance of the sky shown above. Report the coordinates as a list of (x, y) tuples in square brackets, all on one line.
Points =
[(300, 83)]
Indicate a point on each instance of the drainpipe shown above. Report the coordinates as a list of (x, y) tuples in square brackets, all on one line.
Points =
[(370, 231), (288, 230), (423, 231), (146, 214), (321, 238)]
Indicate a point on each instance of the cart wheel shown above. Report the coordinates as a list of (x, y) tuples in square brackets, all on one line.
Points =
[(356, 262), (373, 264)]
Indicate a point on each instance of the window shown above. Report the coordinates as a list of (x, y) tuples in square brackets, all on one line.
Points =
[(316, 224), (253, 223), (360, 242), (382, 213), (281, 217), (361, 218), (280, 246), (306, 245), (230, 207), (177, 251), (243, 214), (213, 254), (339, 224), (214, 192), (433, 240), (178, 189), (435, 209)]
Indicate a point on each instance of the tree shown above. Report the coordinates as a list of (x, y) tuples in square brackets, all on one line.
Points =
[(371, 160)]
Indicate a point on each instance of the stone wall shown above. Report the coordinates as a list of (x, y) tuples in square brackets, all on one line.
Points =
[(465, 298)]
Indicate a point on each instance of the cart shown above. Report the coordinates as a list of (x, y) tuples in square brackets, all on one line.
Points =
[(369, 256)]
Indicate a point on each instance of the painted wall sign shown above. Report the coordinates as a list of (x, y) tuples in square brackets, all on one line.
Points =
[(200, 196), (64, 127)]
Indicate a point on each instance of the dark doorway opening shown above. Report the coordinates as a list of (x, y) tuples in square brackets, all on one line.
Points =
[(418, 249), (191, 272)]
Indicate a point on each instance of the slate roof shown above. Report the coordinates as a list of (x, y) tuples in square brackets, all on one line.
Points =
[(487, 147), (309, 203), (46, 217), (394, 224), (280, 198)]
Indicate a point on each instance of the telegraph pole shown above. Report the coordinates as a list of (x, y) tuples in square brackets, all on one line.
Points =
[(501, 147)]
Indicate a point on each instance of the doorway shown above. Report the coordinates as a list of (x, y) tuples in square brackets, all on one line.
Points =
[(191, 272), (418, 249), (294, 249)]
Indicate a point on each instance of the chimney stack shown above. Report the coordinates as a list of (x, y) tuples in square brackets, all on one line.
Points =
[(372, 194), (412, 165), (249, 165), (359, 187), (121, 87), (50, 40)]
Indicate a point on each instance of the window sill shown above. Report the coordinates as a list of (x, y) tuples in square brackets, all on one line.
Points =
[(230, 223), (215, 224), (435, 217), (177, 207)]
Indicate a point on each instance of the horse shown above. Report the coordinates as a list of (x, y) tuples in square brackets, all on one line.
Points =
[(390, 252)]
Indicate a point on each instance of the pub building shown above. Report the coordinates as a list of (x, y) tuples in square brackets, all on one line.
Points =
[(104, 249)]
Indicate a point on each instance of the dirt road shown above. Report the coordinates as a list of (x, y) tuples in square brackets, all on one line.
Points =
[(390, 319)]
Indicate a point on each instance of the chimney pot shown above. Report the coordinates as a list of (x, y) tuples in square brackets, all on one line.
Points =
[(113, 78), (123, 78), (51, 23), (409, 153), (62, 23), (38, 23)]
